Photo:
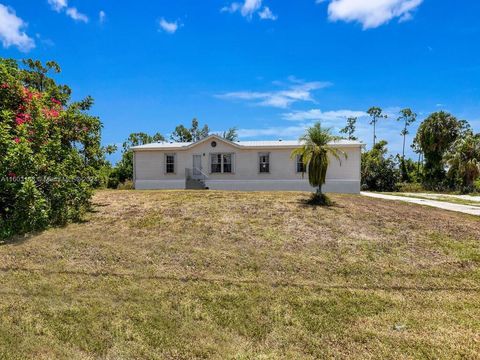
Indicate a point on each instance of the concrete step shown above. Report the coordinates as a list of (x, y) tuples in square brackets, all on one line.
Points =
[(194, 184)]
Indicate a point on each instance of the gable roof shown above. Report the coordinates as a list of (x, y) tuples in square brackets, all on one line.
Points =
[(289, 144)]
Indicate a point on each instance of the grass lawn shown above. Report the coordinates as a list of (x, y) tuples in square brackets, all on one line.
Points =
[(185, 274)]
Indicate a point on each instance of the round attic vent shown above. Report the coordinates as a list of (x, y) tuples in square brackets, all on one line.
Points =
[(214, 143)]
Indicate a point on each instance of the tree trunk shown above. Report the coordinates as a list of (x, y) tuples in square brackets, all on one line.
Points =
[(374, 133)]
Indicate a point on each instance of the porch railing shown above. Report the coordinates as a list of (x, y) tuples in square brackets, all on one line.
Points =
[(195, 174)]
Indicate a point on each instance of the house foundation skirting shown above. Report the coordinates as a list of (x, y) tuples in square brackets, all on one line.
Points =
[(331, 186)]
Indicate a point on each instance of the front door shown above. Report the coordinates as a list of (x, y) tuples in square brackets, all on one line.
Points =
[(197, 166)]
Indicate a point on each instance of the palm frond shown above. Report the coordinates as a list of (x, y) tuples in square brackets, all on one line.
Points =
[(315, 153)]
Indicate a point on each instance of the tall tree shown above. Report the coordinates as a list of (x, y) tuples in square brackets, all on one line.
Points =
[(193, 134), (181, 134), (315, 154), (379, 171), (349, 129), (231, 134), (463, 160), (434, 137), (408, 117), (197, 132), (375, 113)]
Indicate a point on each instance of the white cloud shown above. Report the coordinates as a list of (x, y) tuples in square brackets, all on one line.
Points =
[(250, 7), (169, 27), (371, 13), (327, 116), (77, 16), (58, 5), (296, 91), (266, 14), (102, 16), (72, 12), (12, 30)]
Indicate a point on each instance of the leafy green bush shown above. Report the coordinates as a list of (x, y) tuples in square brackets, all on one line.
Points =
[(434, 138), (379, 172), (50, 150), (410, 187), (476, 186), (127, 185), (463, 160)]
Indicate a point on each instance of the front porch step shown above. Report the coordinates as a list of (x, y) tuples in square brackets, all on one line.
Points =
[(195, 184)]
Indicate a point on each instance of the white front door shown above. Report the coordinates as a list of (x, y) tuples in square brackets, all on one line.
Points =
[(197, 166)]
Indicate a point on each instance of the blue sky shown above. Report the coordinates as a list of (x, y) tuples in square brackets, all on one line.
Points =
[(268, 67)]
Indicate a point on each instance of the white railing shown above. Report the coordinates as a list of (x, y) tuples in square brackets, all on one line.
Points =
[(195, 174)]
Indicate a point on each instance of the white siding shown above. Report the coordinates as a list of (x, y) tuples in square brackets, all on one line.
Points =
[(150, 169)]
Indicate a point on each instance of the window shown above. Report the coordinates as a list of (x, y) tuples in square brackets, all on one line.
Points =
[(264, 162), (227, 163), (221, 163), (170, 163), (216, 163), (301, 167)]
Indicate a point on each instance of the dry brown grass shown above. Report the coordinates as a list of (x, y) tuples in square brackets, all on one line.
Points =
[(185, 274)]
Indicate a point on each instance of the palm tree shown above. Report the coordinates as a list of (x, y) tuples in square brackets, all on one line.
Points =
[(315, 154), (464, 160), (375, 113), (408, 117)]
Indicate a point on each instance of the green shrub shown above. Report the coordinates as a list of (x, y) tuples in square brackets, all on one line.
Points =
[(50, 150), (410, 187), (31, 210), (476, 186), (379, 172), (127, 185)]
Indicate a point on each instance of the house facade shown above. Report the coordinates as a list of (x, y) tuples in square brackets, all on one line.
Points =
[(219, 164)]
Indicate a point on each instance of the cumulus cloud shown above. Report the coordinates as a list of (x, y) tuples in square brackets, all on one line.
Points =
[(58, 5), (371, 13), (76, 15), (295, 91), (72, 12), (250, 7), (12, 30), (167, 26), (266, 14)]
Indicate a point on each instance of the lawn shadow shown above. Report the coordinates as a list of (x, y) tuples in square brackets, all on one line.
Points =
[(318, 201), (95, 205), (20, 239)]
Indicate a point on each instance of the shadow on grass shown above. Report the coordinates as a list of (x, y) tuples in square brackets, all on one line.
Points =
[(94, 206), (18, 239), (318, 201)]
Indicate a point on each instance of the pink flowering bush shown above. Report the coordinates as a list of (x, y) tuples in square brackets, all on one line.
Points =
[(50, 150)]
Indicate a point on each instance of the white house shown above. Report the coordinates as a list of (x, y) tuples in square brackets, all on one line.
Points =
[(216, 163)]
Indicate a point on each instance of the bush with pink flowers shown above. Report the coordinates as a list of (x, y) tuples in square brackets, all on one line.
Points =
[(50, 151)]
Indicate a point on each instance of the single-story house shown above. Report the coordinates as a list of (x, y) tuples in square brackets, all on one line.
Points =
[(219, 164)]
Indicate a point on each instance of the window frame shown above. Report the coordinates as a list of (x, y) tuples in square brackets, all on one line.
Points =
[(260, 155), (174, 156), (222, 163), (298, 161)]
